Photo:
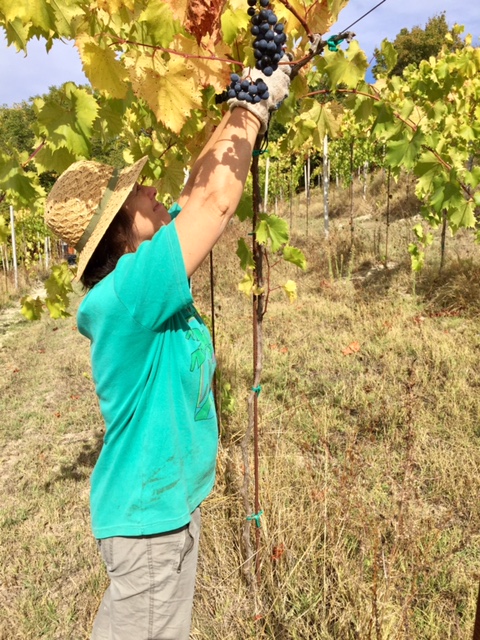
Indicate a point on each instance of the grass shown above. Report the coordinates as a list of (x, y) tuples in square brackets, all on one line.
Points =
[(369, 456)]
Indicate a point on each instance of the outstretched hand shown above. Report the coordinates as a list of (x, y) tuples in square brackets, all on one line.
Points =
[(278, 88)]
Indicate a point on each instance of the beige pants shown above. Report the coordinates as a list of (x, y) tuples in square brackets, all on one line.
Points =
[(152, 580)]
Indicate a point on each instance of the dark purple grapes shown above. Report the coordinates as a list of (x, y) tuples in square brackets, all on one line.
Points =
[(268, 44), (269, 37), (247, 90)]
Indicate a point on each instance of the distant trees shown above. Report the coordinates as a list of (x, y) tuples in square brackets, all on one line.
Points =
[(417, 44)]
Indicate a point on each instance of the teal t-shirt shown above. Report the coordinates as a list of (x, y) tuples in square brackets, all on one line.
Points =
[(152, 364)]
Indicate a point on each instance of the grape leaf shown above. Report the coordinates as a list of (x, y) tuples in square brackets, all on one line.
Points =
[(209, 72), (17, 183), (32, 308), (389, 54), (172, 176), (160, 25), (68, 123), (179, 8), (203, 18), (113, 7), (245, 255), (232, 23), (427, 169), (274, 229), (105, 72), (295, 256), (290, 288), (462, 216), (65, 13), (403, 152), (39, 14), (51, 158), (17, 33), (4, 230), (245, 207), (346, 68), (247, 283), (169, 90)]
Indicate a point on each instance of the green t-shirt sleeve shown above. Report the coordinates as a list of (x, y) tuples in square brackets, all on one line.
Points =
[(152, 283), (174, 210)]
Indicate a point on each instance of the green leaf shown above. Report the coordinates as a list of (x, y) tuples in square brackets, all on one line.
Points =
[(403, 152), (4, 230), (245, 255), (390, 55), (273, 229), (417, 257), (40, 14), (232, 23), (386, 126), (19, 185), (68, 123), (427, 169), (17, 34), (245, 207), (32, 308), (158, 24), (58, 286), (462, 216), (295, 256), (65, 12), (346, 68)]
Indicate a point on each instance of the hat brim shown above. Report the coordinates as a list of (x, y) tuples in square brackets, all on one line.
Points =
[(126, 180)]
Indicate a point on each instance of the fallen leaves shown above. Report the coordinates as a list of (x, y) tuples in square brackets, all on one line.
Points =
[(352, 348)]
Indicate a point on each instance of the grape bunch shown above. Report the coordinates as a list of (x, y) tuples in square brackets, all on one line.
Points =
[(269, 36), (267, 49), (245, 89)]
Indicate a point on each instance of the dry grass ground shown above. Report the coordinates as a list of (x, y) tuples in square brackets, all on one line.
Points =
[(369, 449)]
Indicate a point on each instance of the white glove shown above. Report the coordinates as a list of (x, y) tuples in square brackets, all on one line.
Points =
[(278, 87)]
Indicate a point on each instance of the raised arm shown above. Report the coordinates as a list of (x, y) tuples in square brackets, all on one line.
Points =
[(214, 188)]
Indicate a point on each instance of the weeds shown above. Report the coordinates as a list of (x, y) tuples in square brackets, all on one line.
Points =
[(369, 457)]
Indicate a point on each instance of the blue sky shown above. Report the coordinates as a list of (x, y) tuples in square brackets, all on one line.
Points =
[(22, 77)]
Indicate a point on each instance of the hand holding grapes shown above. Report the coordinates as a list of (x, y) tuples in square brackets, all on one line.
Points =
[(263, 98)]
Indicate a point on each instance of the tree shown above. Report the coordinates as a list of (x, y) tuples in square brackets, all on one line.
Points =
[(416, 45)]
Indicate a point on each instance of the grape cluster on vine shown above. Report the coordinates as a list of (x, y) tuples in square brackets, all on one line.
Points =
[(267, 49), (247, 90), (269, 36)]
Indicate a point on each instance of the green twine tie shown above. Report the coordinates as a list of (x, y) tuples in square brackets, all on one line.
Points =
[(256, 517)]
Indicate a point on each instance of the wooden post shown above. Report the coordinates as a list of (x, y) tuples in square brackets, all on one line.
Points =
[(14, 247), (326, 184)]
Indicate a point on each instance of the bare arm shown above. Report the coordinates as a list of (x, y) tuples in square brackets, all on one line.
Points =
[(183, 198), (213, 192)]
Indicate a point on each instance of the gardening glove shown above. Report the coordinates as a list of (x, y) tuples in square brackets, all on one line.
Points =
[(278, 87)]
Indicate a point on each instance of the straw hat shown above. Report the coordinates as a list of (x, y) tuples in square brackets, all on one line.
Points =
[(84, 201)]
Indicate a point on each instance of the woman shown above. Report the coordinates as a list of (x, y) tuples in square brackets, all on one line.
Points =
[(152, 363)]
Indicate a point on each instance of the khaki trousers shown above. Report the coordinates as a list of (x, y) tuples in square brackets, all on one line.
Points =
[(152, 581)]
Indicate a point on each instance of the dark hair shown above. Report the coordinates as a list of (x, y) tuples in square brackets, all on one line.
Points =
[(118, 239)]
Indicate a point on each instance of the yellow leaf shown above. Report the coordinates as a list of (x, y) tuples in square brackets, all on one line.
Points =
[(169, 89), (179, 8), (113, 7), (290, 288), (208, 72), (102, 68), (247, 283)]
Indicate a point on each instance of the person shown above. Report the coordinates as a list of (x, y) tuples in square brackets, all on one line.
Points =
[(152, 364)]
